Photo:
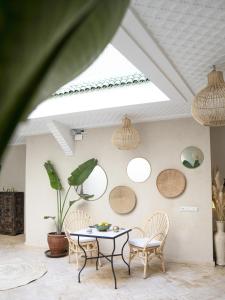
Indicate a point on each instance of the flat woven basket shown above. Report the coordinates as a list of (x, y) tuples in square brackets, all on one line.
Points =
[(122, 199), (171, 183)]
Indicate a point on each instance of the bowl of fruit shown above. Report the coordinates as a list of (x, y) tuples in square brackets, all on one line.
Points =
[(102, 226)]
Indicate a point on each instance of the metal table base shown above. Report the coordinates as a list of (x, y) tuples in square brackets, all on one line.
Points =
[(107, 257)]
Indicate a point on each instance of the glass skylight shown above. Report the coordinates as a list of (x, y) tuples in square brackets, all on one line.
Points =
[(110, 64)]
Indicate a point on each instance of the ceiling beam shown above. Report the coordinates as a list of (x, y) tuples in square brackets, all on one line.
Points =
[(136, 43), (63, 136)]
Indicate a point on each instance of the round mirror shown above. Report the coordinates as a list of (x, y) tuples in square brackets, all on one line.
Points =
[(192, 157), (95, 184), (138, 169)]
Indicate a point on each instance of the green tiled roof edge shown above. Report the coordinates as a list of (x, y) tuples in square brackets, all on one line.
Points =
[(102, 84)]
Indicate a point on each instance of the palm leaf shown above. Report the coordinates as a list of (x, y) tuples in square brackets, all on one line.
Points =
[(82, 172), (44, 44), (53, 176), (187, 164), (196, 163)]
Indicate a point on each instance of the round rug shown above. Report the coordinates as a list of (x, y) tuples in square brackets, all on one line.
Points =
[(16, 274)]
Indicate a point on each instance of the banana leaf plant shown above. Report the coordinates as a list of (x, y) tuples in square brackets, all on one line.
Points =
[(75, 181)]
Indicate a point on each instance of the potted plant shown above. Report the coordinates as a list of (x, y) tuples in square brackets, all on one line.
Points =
[(218, 197), (57, 242)]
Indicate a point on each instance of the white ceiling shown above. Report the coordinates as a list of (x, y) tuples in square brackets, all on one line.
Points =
[(174, 43), (190, 32), (107, 117)]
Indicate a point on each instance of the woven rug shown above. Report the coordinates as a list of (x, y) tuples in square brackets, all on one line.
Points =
[(17, 273)]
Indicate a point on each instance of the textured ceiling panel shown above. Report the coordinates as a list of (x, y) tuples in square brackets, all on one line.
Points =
[(108, 117), (190, 32)]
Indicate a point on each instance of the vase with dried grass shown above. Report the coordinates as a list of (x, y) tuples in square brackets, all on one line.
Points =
[(218, 197)]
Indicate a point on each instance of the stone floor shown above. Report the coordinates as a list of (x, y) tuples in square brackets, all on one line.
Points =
[(181, 281)]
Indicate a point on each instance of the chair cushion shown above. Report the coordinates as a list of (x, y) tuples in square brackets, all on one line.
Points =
[(141, 242), (83, 239)]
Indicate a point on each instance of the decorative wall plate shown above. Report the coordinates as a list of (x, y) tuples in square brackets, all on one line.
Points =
[(171, 183), (122, 199)]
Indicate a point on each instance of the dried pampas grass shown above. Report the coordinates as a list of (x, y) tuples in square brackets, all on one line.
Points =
[(218, 197)]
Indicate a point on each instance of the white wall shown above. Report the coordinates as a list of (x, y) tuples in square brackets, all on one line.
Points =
[(12, 173), (190, 235), (218, 149)]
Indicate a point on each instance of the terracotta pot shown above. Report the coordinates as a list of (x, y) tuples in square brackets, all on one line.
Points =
[(58, 243)]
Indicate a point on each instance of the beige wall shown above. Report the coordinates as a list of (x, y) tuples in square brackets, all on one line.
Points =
[(218, 148), (12, 173), (190, 235)]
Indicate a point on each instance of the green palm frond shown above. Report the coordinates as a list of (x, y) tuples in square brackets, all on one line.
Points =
[(45, 44)]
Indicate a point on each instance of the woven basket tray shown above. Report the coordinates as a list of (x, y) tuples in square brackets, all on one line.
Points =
[(171, 183), (122, 199)]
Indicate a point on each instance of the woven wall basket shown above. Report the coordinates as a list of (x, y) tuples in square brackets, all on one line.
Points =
[(127, 137), (171, 183), (122, 199), (208, 107)]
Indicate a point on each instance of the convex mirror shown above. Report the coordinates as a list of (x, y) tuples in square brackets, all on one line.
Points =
[(192, 157)]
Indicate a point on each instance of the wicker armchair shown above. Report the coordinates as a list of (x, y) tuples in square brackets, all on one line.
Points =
[(77, 220), (152, 242)]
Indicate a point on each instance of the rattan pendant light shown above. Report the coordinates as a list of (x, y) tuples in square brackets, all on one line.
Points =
[(126, 137), (208, 107)]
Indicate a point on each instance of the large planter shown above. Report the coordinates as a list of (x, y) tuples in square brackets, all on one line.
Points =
[(219, 239), (58, 244)]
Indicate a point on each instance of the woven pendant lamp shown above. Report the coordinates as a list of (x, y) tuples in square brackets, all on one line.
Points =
[(127, 137), (208, 107)]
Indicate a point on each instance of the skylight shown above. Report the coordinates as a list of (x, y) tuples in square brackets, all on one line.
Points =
[(111, 64)]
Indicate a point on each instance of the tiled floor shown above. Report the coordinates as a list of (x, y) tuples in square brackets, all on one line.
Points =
[(180, 282)]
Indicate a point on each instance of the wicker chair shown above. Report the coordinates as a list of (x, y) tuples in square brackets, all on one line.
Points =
[(75, 221), (152, 242)]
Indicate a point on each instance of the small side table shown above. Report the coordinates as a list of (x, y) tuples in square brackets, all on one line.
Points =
[(110, 235)]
